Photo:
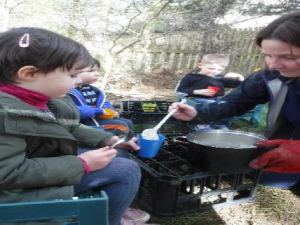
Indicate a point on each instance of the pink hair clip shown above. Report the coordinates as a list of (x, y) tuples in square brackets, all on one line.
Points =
[(24, 41)]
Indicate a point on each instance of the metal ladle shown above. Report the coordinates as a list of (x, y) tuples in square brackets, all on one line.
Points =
[(151, 134), (126, 137)]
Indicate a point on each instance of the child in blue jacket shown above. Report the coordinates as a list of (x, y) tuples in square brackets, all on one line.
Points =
[(93, 107)]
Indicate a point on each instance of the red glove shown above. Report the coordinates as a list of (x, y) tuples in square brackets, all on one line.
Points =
[(284, 159)]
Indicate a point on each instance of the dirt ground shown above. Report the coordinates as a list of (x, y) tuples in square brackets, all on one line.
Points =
[(272, 205)]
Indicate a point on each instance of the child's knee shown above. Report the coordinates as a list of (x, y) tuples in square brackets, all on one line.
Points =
[(127, 168), (133, 168)]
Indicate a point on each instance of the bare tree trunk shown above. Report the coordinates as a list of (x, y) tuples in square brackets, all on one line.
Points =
[(5, 16), (111, 55), (74, 15), (7, 8), (108, 61)]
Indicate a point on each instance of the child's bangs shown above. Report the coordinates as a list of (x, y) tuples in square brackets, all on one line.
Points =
[(79, 61)]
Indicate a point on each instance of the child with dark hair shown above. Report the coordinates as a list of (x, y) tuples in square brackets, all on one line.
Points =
[(92, 105), (40, 133)]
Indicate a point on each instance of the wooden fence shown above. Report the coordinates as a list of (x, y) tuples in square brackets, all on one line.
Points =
[(184, 51)]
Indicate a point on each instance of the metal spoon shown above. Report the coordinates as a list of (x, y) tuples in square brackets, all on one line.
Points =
[(127, 137), (151, 134)]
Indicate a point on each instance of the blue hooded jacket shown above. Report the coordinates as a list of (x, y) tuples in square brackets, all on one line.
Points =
[(87, 111)]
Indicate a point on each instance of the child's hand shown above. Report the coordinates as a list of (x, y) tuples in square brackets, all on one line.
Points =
[(131, 145), (116, 114), (112, 140), (107, 114), (235, 76), (99, 158), (206, 92)]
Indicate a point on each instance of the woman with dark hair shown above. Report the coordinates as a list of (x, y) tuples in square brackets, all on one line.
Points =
[(277, 84)]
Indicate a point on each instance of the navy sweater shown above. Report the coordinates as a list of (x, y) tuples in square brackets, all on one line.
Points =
[(195, 81)]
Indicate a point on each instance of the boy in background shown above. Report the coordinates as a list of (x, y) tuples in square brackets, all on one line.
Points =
[(209, 85), (91, 103)]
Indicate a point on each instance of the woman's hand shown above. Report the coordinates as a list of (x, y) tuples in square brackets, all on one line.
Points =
[(184, 112), (284, 159), (99, 158)]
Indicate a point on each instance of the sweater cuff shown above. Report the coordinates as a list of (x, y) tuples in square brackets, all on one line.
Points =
[(87, 168), (98, 111), (190, 93), (196, 120)]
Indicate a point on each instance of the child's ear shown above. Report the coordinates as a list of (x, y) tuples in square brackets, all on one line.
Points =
[(27, 73), (199, 65)]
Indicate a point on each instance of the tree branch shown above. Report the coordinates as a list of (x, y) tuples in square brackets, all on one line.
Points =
[(144, 27), (127, 27)]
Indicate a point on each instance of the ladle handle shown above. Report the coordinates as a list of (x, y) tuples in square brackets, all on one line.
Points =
[(118, 142), (168, 116), (127, 137)]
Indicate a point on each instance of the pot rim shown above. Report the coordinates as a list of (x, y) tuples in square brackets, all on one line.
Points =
[(227, 131)]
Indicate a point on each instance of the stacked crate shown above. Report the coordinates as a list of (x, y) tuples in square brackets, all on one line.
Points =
[(147, 114), (171, 186)]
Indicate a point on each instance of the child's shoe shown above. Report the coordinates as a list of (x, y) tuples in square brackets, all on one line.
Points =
[(221, 127), (203, 128), (131, 222), (136, 215)]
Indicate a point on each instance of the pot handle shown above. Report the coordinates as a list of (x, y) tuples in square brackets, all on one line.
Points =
[(180, 139)]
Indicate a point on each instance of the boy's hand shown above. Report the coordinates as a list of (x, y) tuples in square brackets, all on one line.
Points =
[(206, 92), (99, 158), (235, 76), (107, 114), (284, 159), (116, 114), (184, 112)]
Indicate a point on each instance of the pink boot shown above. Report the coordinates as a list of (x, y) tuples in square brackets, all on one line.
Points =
[(136, 215), (131, 222)]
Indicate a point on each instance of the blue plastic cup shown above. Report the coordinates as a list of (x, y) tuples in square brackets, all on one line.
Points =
[(149, 148)]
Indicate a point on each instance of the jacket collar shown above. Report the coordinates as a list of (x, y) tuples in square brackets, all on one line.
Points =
[(15, 106)]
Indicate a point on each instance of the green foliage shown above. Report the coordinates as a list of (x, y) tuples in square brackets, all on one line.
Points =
[(244, 125)]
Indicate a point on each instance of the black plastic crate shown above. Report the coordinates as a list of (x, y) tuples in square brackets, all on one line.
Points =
[(171, 186), (147, 114), (160, 107)]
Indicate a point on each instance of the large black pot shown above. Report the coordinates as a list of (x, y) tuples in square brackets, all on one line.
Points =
[(223, 151)]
